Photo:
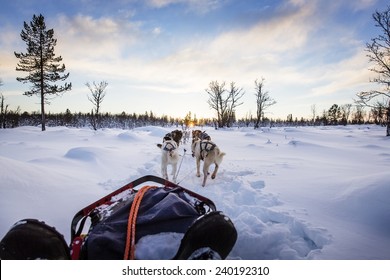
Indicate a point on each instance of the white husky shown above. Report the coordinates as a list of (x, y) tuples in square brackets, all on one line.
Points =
[(208, 152), (169, 156)]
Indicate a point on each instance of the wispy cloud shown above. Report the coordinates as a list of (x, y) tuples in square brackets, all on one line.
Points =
[(197, 6), (278, 49), (85, 36)]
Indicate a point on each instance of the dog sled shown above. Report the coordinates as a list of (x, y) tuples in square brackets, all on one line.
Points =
[(124, 223)]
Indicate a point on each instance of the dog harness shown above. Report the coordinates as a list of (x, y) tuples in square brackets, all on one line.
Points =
[(169, 147), (168, 137), (205, 148), (204, 136)]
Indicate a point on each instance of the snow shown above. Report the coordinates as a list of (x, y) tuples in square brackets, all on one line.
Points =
[(292, 193)]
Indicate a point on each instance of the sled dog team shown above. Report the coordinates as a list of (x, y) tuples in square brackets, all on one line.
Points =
[(203, 149)]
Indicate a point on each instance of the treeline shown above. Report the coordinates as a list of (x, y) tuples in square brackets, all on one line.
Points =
[(335, 115), (124, 120)]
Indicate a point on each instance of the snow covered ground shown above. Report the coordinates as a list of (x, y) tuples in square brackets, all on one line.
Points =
[(292, 193)]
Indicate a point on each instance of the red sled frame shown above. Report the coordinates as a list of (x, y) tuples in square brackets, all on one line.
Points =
[(85, 212)]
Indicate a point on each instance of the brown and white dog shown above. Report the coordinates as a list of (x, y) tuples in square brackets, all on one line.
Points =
[(175, 135), (210, 153), (169, 156), (200, 135)]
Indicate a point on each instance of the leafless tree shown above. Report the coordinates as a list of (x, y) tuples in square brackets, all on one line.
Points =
[(98, 92), (224, 102), (313, 112), (345, 112), (217, 102), (263, 101), (235, 94), (379, 53), (358, 115), (379, 112)]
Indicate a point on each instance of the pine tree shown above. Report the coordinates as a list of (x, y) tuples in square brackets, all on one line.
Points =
[(43, 67)]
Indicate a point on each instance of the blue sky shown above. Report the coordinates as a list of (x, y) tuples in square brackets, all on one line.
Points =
[(161, 55)]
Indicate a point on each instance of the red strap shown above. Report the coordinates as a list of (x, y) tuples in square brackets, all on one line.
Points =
[(131, 223), (76, 247)]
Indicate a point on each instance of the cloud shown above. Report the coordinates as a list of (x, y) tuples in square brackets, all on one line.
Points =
[(359, 5), (157, 31), (84, 36), (9, 42), (197, 6), (279, 49), (349, 73), (243, 53)]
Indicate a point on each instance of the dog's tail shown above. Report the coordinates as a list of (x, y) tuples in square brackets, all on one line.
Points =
[(219, 157)]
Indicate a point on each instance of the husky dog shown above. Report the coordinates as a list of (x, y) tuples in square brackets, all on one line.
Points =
[(169, 156), (208, 152), (175, 135), (186, 136), (200, 135)]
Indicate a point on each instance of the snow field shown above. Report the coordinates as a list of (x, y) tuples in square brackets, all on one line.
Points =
[(292, 193)]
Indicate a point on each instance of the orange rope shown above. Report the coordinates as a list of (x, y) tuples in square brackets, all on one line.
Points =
[(131, 223)]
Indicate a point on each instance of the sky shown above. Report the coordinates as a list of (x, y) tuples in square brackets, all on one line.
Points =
[(161, 55)]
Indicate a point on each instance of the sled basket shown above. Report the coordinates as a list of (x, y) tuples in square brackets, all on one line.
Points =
[(149, 206)]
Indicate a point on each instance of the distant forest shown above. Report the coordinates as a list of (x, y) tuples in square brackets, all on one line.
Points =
[(336, 115)]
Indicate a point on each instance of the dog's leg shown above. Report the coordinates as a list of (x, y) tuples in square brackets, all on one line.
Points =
[(174, 170), (215, 171), (204, 181), (164, 171), (206, 166), (217, 162), (198, 166)]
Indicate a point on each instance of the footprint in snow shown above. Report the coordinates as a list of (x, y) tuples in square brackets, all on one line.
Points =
[(257, 185)]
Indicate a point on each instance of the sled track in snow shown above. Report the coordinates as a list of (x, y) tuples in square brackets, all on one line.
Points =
[(263, 232)]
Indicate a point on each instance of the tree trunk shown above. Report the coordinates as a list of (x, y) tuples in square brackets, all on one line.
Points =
[(42, 90), (43, 112), (388, 120)]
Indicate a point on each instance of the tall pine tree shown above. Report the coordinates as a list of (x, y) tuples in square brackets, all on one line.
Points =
[(43, 67)]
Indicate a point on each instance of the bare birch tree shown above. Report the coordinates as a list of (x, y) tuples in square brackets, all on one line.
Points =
[(98, 92), (235, 94), (224, 102), (263, 101), (379, 53)]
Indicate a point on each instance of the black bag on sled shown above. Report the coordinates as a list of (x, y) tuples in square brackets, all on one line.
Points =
[(111, 227), (151, 206)]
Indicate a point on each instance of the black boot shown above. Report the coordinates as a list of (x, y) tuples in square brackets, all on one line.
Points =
[(30, 239), (210, 237)]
